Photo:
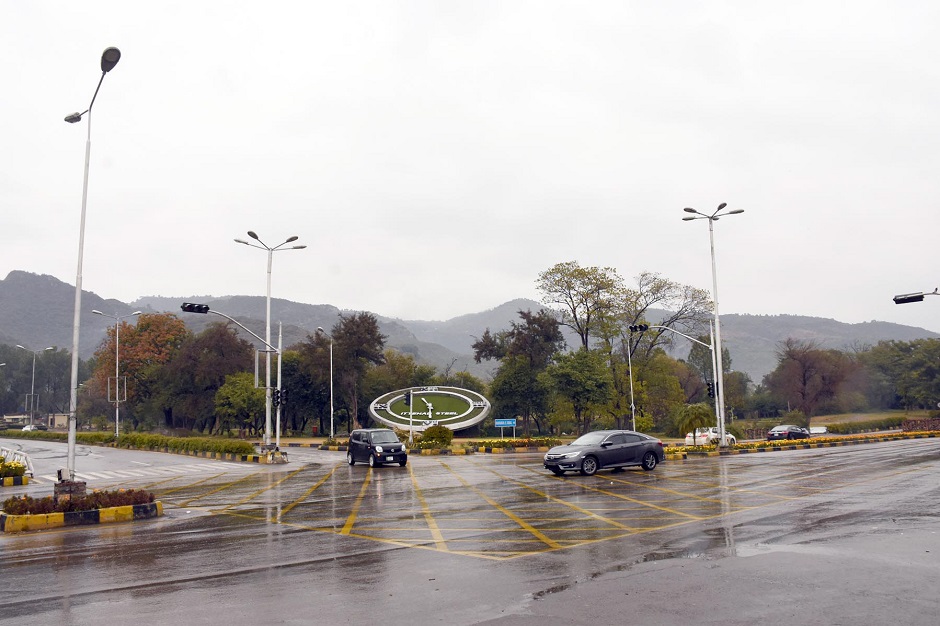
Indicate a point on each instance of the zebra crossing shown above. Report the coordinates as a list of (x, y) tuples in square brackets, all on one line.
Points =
[(166, 471)]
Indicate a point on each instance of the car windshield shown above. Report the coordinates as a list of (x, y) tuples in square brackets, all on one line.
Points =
[(590, 439), (384, 437)]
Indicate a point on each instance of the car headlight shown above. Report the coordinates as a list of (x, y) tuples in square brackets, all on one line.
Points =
[(378, 449), (571, 455)]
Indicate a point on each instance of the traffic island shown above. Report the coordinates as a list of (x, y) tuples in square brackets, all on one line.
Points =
[(42, 521)]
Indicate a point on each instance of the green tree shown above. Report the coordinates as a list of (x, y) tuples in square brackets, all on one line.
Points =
[(239, 404), (581, 378), (692, 416), (524, 351), (196, 371), (586, 298), (358, 345)]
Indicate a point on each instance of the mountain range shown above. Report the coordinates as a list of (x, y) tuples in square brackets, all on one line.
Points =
[(37, 311)]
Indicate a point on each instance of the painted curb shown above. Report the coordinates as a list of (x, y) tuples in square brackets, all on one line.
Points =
[(129, 513), (14, 481), (513, 450), (801, 446)]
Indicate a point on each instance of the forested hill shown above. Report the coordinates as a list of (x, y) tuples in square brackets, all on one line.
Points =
[(36, 311)]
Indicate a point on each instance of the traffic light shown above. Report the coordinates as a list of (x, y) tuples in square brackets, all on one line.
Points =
[(276, 397), (711, 389), (408, 398), (190, 307), (639, 328), (283, 396), (905, 298)]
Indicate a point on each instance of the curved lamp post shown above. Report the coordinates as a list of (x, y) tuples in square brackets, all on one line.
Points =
[(267, 335), (117, 366), (109, 58), (31, 405), (327, 335), (719, 382)]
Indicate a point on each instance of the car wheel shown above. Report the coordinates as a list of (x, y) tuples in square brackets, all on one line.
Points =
[(372, 462), (649, 461), (402, 463), (350, 459), (557, 471), (589, 466)]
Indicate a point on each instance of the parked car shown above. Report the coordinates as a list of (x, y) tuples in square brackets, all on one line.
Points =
[(30, 427), (604, 449), (375, 446), (707, 436), (818, 430), (787, 431)]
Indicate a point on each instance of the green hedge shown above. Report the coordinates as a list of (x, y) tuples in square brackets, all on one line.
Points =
[(144, 441), (848, 428), (523, 442)]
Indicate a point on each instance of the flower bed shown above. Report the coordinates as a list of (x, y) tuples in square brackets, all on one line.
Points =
[(11, 469), (27, 505)]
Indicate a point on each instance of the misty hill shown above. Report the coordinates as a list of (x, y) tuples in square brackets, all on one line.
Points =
[(36, 311)]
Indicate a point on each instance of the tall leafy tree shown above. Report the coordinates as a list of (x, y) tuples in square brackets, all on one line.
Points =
[(196, 371), (585, 298), (524, 350), (581, 378), (358, 345), (239, 404)]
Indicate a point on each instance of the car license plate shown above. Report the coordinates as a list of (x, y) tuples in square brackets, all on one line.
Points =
[(389, 458)]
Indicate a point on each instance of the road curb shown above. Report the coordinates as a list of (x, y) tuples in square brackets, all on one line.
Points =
[(128, 513), (14, 481), (801, 446)]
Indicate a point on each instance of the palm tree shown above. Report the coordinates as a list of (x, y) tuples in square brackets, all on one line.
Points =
[(698, 415)]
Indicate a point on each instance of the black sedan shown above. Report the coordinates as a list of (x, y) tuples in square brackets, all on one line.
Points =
[(787, 431), (604, 449)]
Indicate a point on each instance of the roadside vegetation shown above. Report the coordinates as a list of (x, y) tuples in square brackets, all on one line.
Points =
[(618, 374), (27, 505)]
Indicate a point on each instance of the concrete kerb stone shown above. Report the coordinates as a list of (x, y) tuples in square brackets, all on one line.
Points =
[(128, 513), (14, 481)]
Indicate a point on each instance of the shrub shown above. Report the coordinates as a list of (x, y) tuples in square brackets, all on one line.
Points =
[(847, 428), (27, 505), (437, 436), (11, 469)]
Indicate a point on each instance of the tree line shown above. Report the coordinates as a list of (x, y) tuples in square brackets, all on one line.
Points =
[(619, 374)]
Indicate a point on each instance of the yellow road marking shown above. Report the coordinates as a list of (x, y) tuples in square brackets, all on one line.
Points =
[(524, 524), (218, 489), (290, 506), (351, 519), (426, 510), (260, 491)]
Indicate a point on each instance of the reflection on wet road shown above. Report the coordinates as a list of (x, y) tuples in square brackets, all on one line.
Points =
[(498, 508)]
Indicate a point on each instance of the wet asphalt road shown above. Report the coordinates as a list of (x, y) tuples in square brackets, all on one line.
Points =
[(843, 535)]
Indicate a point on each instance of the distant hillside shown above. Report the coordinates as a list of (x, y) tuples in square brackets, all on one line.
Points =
[(37, 311)]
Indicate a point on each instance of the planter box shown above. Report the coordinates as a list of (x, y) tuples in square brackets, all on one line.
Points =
[(129, 513)]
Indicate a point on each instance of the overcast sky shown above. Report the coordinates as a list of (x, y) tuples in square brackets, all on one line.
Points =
[(436, 156)]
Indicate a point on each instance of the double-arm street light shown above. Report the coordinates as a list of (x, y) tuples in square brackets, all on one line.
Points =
[(328, 336), (117, 367), (719, 381), (31, 401), (267, 335), (109, 58)]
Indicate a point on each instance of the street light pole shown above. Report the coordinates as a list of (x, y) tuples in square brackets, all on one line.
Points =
[(117, 366), (267, 335), (328, 336), (32, 386), (719, 381), (109, 58)]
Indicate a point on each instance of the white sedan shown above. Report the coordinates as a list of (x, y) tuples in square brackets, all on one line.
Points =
[(707, 436)]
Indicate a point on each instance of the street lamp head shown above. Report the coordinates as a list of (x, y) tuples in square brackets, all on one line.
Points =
[(722, 205), (293, 238), (689, 219), (109, 58), (97, 312), (23, 347), (689, 210), (298, 247), (136, 312), (735, 212), (242, 241), (253, 235), (73, 117)]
